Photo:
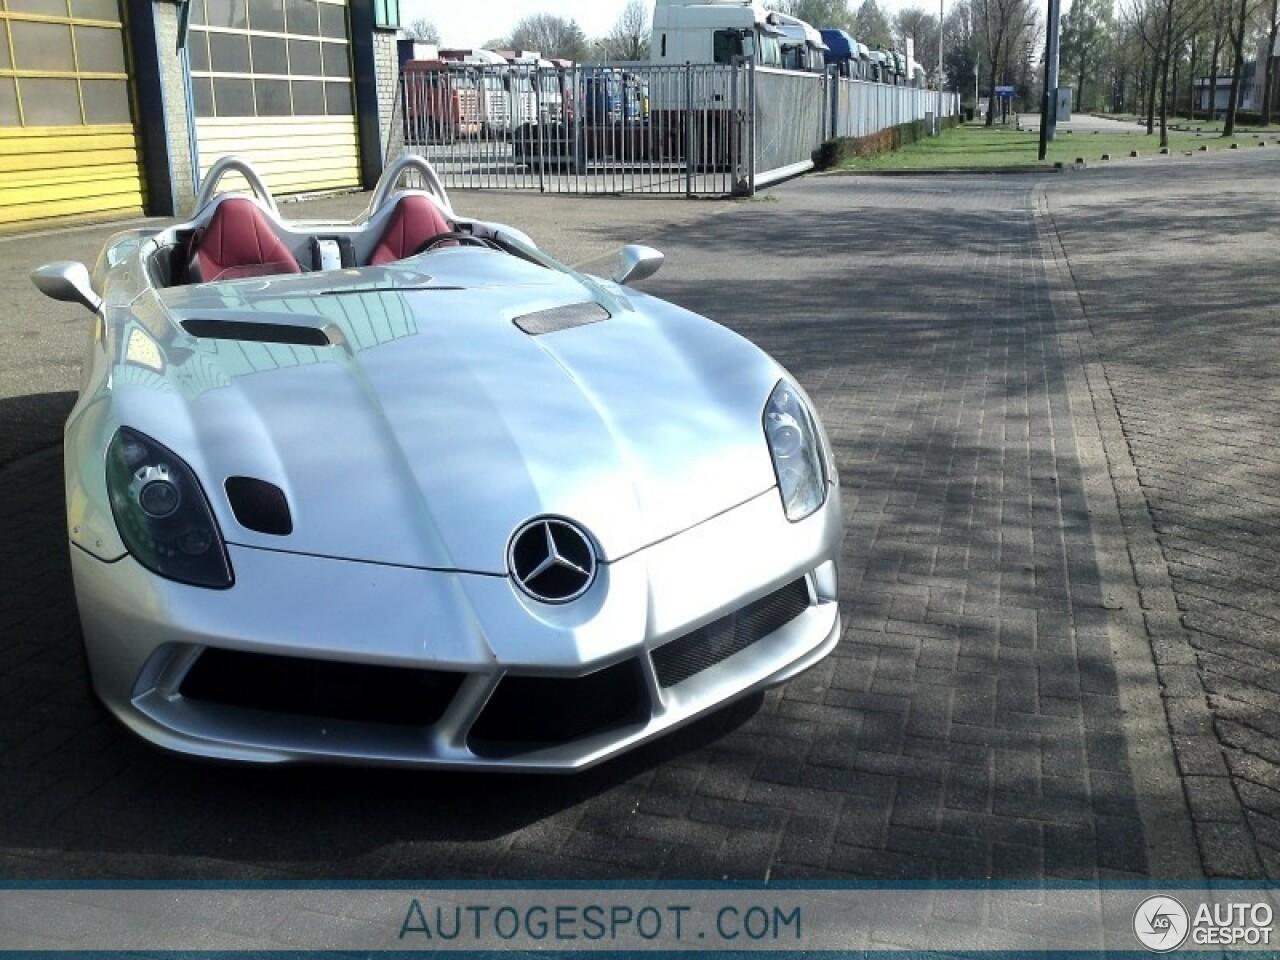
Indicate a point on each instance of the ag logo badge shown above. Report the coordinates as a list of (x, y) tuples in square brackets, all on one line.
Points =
[(1161, 924)]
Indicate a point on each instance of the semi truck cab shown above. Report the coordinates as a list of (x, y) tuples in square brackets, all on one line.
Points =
[(714, 31), (803, 47)]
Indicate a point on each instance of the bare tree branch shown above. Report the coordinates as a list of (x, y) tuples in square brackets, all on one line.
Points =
[(422, 29), (629, 38)]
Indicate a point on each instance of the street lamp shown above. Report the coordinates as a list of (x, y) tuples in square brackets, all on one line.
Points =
[(938, 115), (1049, 105), (976, 60)]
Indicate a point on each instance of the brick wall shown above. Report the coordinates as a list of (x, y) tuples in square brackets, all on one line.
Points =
[(177, 120), (390, 119)]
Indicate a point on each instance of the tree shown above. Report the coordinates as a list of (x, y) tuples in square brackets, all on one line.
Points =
[(1126, 68), (629, 38), (1242, 12), (817, 13), (1085, 31), (1272, 21), (1217, 37), (1165, 27), (1181, 19), (871, 26), (1144, 16), (920, 27), (960, 47), (422, 29), (1005, 29), (551, 36)]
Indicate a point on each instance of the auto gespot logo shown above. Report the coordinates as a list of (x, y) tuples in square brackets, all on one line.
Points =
[(1162, 924)]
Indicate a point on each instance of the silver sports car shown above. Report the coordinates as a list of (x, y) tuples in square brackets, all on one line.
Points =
[(409, 491)]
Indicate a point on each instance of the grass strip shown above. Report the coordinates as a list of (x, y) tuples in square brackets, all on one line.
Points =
[(974, 146)]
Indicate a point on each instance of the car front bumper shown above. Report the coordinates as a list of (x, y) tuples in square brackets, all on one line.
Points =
[(266, 671)]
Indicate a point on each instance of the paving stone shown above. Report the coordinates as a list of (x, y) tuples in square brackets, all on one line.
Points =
[(1213, 799), (1229, 850)]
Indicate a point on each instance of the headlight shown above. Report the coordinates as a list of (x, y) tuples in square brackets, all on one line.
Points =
[(796, 451), (162, 514)]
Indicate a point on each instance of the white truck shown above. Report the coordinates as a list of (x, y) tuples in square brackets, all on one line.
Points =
[(699, 40), (537, 87), (714, 31), (802, 46)]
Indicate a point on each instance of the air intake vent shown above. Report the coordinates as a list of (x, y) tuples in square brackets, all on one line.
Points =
[(705, 647), (321, 688), (525, 713), (259, 506), (282, 333), (561, 318)]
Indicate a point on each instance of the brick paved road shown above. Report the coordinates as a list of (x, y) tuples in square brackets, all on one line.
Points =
[(975, 686), (1177, 276), (971, 724)]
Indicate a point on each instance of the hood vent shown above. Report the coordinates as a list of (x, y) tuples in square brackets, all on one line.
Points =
[(561, 318), (282, 333), (259, 506)]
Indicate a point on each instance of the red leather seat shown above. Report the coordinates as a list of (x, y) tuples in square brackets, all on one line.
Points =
[(239, 236), (414, 221)]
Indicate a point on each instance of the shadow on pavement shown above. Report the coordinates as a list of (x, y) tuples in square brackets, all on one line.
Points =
[(32, 423)]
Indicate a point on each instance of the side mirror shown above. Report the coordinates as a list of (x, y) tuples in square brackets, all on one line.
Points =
[(67, 280), (636, 263)]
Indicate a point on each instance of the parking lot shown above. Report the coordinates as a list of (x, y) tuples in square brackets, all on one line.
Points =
[(1053, 402)]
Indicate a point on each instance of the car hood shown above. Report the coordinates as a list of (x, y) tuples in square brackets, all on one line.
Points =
[(429, 425)]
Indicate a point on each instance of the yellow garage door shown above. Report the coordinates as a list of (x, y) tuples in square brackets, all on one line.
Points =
[(68, 149), (271, 82)]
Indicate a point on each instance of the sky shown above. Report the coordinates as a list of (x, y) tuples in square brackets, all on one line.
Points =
[(470, 23)]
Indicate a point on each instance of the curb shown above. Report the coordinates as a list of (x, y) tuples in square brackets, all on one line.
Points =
[(1162, 728), (945, 171)]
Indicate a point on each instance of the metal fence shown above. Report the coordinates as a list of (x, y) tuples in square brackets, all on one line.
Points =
[(859, 109), (788, 122), (633, 128)]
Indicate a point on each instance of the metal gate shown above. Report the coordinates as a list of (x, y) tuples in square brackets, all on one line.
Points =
[(696, 129), (611, 128)]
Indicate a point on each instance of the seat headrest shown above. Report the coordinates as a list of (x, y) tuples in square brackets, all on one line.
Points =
[(414, 221), (239, 236)]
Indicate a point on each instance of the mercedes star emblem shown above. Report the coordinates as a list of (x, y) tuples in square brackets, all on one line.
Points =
[(552, 560)]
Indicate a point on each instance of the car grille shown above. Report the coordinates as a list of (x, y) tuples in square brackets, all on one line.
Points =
[(525, 713), (321, 688), (680, 659)]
